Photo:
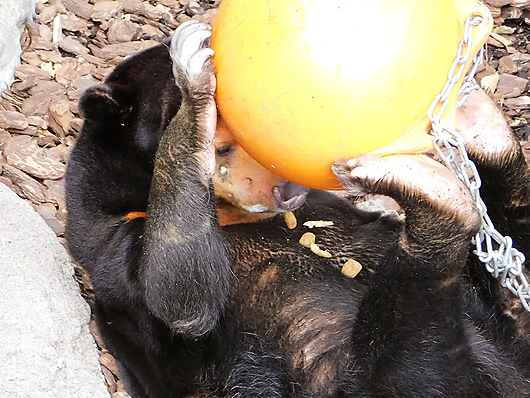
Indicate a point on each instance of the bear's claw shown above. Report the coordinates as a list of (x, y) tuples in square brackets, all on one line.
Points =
[(190, 49)]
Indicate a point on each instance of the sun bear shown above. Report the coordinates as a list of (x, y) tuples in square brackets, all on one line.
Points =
[(190, 308)]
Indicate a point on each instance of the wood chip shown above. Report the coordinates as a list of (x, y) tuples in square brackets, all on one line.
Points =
[(145, 9), (121, 31), (510, 86), (25, 84), (50, 88), (37, 104), (73, 45), (498, 3), (37, 121), (84, 82), (503, 30), (72, 23), (76, 124), (38, 43), (31, 58), (319, 252), (45, 32), (109, 362), (48, 212), (110, 379), (93, 326), (12, 120), (84, 68), (65, 74), (47, 15), (501, 39), (131, 6), (104, 10), (26, 186), (507, 65), (56, 192), (520, 102), (47, 141), (4, 137), (61, 116), (351, 268), (151, 32), (307, 239), (50, 56), (511, 12), (318, 224), (520, 57), (173, 4), (494, 9), (290, 219), (25, 71), (79, 7), (120, 394), (26, 155), (111, 51), (94, 60)]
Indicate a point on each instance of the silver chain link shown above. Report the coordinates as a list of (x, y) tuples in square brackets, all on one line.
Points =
[(502, 260)]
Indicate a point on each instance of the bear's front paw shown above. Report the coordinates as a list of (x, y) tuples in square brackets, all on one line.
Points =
[(487, 137), (195, 77), (191, 55), (413, 181)]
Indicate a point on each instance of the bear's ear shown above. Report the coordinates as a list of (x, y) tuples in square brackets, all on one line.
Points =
[(106, 103)]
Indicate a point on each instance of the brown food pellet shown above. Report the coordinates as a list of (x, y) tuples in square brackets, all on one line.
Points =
[(351, 268), (290, 219), (307, 239), (319, 252)]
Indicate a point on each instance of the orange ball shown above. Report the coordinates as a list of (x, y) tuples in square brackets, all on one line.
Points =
[(304, 83)]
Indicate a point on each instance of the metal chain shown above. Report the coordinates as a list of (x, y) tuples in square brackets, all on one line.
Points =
[(502, 260)]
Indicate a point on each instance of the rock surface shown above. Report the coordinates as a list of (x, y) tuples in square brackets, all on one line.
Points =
[(47, 350), (13, 14)]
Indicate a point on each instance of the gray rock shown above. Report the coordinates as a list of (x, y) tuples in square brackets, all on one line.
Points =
[(13, 14), (46, 350)]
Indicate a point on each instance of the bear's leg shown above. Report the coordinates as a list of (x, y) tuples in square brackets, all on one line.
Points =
[(409, 338), (505, 190), (254, 370), (184, 269), (500, 162)]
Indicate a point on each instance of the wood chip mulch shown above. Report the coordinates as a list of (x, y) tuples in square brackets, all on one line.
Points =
[(73, 44)]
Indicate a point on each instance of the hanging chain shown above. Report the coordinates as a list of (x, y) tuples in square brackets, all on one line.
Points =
[(502, 260)]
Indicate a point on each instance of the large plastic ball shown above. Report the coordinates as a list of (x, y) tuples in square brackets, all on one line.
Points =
[(304, 83)]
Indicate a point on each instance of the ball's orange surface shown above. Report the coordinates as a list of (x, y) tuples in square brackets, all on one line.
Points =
[(304, 83)]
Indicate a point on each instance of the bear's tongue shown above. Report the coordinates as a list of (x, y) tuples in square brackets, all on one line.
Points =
[(290, 196)]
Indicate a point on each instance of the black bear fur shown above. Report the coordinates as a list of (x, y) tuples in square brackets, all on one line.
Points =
[(190, 309)]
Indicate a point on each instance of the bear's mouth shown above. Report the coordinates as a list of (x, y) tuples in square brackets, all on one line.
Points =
[(289, 196)]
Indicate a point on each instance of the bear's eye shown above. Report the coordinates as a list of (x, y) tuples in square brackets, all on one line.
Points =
[(224, 150)]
